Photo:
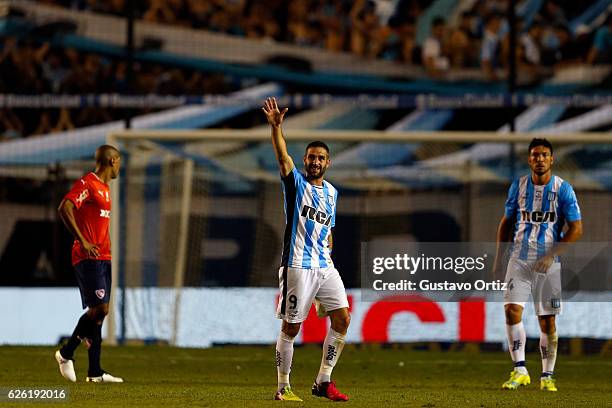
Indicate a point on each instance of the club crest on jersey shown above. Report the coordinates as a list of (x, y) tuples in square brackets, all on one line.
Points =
[(552, 195), (315, 215), (538, 216), (538, 195), (330, 200), (84, 194), (100, 293)]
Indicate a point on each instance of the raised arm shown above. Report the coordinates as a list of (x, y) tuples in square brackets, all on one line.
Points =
[(275, 119)]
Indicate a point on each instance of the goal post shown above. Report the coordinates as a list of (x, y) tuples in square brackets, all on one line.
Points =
[(197, 208)]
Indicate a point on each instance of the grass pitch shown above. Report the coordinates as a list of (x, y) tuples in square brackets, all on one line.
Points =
[(246, 377)]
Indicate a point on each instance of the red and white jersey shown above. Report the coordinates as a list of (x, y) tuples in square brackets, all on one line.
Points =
[(91, 197)]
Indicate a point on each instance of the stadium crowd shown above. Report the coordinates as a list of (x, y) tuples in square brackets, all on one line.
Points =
[(30, 67), (383, 28), (476, 39)]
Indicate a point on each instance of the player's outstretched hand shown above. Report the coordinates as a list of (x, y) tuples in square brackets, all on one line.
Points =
[(93, 251), (273, 114)]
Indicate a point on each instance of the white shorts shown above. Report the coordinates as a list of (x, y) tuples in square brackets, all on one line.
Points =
[(299, 288), (545, 288)]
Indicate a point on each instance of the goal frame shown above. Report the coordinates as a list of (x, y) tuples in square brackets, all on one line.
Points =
[(117, 138)]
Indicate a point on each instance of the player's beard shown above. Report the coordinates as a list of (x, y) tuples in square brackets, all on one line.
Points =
[(315, 172)]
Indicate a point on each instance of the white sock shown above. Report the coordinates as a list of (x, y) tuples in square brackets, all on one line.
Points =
[(332, 347), (284, 356), (548, 350), (516, 344)]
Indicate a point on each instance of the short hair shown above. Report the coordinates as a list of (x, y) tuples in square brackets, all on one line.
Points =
[(317, 143), (104, 153), (540, 142)]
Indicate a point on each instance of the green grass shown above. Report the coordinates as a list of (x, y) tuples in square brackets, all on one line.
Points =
[(246, 377)]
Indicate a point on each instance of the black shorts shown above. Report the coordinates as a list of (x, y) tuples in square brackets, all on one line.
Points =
[(94, 278)]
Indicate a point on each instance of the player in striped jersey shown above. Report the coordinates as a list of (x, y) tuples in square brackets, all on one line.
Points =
[(537, 209), (307, 272)]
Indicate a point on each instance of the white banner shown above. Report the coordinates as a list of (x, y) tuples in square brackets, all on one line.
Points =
[(247, 315)]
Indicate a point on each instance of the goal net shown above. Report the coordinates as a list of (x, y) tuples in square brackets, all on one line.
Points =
[(205, 208)]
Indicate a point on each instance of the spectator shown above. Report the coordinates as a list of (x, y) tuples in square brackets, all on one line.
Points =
[(410, 50), (398, 43), (601, 51), (462, 42), (54, 70), (365, 36), (570, 50), (530, 46), (528, 53), (297, 25), (260, 22), (335, 25), (434, 59), (489, 58)]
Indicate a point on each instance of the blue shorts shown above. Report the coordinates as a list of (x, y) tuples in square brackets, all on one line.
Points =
[(94, 278)]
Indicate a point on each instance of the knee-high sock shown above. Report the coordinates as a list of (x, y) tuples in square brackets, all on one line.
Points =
[(83, 329), (548, 350), (94, 352), (332, 347), (516, 342), (284, 357)]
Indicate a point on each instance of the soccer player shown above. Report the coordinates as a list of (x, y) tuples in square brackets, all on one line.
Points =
[(85, 211), (307, 272), (537, 208)]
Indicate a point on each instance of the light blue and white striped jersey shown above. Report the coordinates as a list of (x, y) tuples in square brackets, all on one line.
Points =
[(310, 213), (540, 212)]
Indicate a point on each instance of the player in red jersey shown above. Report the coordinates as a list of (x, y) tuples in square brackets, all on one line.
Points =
[(85, 211)]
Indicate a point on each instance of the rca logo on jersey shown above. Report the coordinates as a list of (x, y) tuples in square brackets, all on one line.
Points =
[(105, 213), (316, 215), (538, 216)]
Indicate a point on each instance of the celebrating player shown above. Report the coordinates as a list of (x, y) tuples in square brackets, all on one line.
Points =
[(537, 208), (85, 211), (307, 272)]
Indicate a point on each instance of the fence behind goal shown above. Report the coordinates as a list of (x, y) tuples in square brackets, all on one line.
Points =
[(205, 208)]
